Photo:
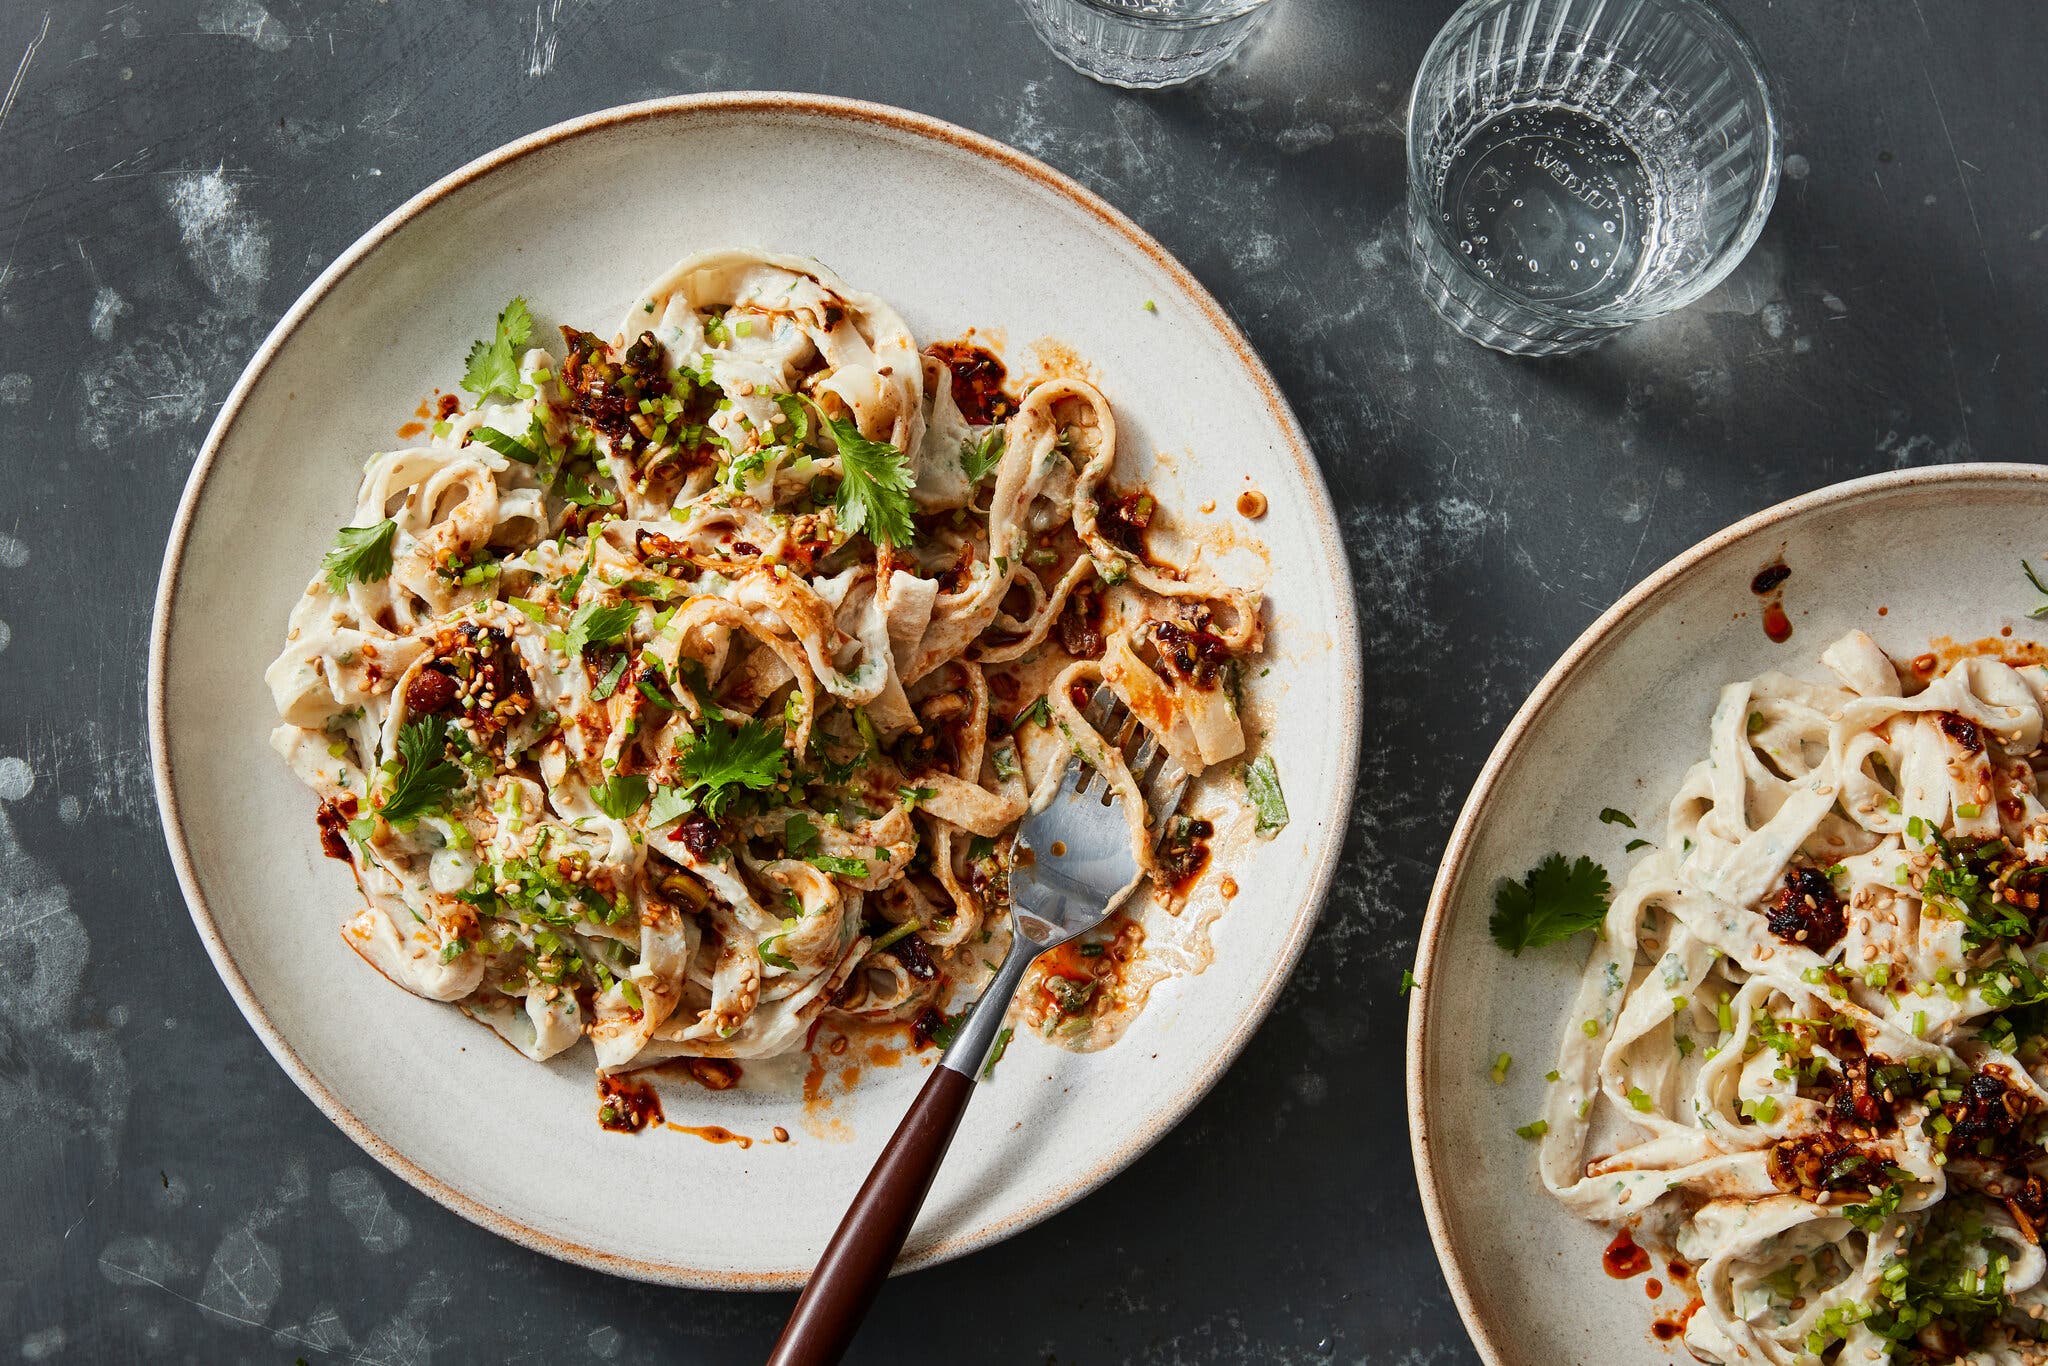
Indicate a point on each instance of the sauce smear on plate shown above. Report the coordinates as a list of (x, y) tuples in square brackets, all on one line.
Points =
[(1623, 1258)]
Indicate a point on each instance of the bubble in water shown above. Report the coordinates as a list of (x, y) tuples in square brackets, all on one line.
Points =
[(1551, 184)]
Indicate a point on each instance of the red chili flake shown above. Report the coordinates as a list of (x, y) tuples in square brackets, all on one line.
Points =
[(1769, 578), (333, 818), (1808, 912), (977, 381), (697, 833), (1963, 731), (429, 691)]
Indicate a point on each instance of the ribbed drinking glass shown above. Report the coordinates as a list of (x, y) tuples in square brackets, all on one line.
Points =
[(1144, 44), (1576, 166)]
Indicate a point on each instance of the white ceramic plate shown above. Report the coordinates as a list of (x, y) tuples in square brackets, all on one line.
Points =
[(956, 231), (1907, 557)]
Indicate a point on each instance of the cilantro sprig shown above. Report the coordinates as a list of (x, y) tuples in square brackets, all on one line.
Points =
[(591, 495), (874, 486), (723, 761), (977, 458), (421, 777), (361, 554), (597, 624), (1554, 901), (493, 366), (2040, 610)]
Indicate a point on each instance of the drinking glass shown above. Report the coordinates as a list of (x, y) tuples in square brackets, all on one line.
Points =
[(1144, 44), (1576, 166)]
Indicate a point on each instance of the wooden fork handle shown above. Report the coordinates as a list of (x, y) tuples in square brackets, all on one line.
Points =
[(858, 1258)]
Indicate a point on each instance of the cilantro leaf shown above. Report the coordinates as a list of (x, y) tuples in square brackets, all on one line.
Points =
[(771, 957), (799, 421), (493, 366), (596, 624), (995, 1056), (609, 684), (1003, 758), (833, 863), (948, 1028), (620, 795), (583, 495), (1269, 804), (799, 836), (978, 458), (726, 758), (573, 585), (421, 777), (874, 486), (361, 553), (1870, 1218), (669, 803), (1555, 901), (1610, 816)]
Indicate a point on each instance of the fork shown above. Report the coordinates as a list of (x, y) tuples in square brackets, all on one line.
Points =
[(1068, 866)]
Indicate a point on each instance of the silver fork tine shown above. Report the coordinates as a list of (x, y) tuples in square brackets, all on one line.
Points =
[(1116, 724), (1162, 796), (1075, 780), (1102, 704)]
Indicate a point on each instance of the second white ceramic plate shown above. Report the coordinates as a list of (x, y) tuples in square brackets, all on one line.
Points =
[(957, 232), (1908, 557)]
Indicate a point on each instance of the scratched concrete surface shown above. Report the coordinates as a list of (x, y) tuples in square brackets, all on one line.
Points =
[(172, 174)]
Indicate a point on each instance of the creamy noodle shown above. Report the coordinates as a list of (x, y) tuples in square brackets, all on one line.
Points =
[(1804, 1050), (637, 738)]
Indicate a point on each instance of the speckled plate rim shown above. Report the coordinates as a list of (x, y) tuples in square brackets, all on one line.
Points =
[(1344, 639), (1645, 597)]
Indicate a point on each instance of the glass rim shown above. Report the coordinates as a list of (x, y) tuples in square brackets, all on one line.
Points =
[(1732, 253), (1121, 9)]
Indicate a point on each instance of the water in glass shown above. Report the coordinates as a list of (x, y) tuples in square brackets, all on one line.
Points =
[(1575, 167)]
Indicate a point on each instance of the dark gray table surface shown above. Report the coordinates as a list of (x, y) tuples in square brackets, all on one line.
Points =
[(172, 174)]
